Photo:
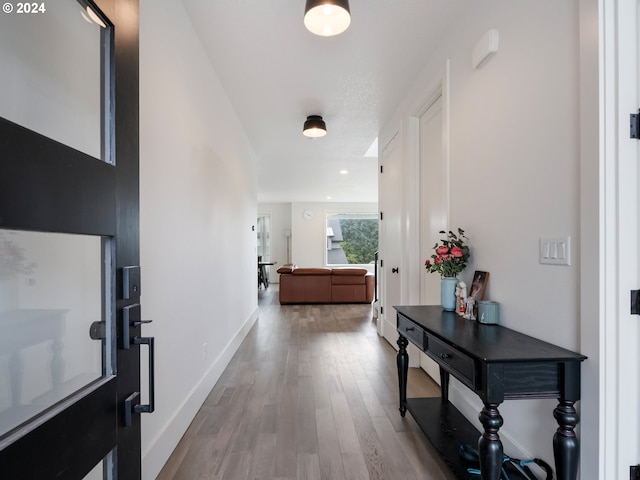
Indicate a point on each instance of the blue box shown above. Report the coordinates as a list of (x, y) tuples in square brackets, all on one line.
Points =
[(488, 312)]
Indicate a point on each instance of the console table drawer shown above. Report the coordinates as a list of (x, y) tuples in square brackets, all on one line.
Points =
[(453, 359), (411, 331)]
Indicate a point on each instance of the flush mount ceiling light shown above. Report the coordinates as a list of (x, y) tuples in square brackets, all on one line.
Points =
[(314, 127), (327, 17), (90, 15)]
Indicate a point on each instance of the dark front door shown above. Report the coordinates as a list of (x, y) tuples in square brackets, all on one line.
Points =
[(68, 227)]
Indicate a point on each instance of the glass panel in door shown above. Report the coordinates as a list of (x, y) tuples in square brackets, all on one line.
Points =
[(52, 291), (104, 470), (55, 73)]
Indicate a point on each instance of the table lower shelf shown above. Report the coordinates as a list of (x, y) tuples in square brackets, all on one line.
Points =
[(447, 429)]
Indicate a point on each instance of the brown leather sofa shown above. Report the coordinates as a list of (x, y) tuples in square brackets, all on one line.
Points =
[(325, 285)]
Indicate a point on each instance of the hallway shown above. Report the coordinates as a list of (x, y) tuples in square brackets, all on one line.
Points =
[(310, 394)]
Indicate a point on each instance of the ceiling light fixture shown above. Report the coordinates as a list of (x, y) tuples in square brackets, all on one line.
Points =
[(91, 16), (327, 17), (314, 127)]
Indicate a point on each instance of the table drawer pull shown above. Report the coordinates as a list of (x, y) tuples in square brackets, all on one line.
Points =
[(452, 359), (412, 332)]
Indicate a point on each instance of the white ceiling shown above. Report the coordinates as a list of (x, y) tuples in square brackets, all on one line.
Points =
[(276, 73)]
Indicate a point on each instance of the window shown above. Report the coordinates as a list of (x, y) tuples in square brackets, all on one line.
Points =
[(352, 238)]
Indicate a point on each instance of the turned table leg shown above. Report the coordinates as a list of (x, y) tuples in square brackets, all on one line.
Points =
[(403, 368), (565, 443), (489, 445), (444, 385)]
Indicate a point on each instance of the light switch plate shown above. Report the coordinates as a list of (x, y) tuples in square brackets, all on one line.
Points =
[(555, 250)]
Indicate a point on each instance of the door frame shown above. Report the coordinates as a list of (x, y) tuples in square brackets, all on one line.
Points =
[(610, 226), (386, 318), (440, 88)]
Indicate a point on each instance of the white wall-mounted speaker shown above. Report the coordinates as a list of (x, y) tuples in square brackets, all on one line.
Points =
[(486, 48)]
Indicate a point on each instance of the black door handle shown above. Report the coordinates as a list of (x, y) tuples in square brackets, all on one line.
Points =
[(148, 408), (131, 318), (395, 270), (131, 404)]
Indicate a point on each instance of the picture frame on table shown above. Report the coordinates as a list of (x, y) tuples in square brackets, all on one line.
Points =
[(479, 285)]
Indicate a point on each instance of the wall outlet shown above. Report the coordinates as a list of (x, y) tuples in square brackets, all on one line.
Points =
[(205, 351), (555, 251)]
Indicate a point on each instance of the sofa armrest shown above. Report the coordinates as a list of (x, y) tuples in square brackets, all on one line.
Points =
[(287, 268), (370, 281)]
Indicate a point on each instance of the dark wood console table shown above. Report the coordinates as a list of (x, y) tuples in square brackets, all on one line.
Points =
[(497, 364)]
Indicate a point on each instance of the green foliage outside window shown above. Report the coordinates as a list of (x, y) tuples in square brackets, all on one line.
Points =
[(360, 240)]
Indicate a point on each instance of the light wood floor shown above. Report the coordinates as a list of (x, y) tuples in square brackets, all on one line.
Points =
[(310, 394)]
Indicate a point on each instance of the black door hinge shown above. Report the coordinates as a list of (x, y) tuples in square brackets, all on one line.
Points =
[(381, 263), (381, 310), (634, 124), (634, 472), (635, 304), (381, 169), (381, 216)]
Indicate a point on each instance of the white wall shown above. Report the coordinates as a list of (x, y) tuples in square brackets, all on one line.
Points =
[(308, 241), (198, 203), (514, 169)]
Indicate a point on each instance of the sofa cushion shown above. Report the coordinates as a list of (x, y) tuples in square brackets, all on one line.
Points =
[(312, 271), (350, 271)]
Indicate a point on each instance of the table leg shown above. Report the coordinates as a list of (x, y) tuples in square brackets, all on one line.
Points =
[(444, 385), (566, 448), (403, 369), (489, 444), (262, 277)]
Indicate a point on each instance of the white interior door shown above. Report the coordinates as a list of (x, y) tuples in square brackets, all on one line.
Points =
[(628, 233), (390, 200), (611, 340)]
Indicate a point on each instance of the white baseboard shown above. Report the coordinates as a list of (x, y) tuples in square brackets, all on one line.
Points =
[(160, 448), (389, 331)]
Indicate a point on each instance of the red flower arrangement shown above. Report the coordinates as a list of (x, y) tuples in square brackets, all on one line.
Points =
[(451, 257)]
